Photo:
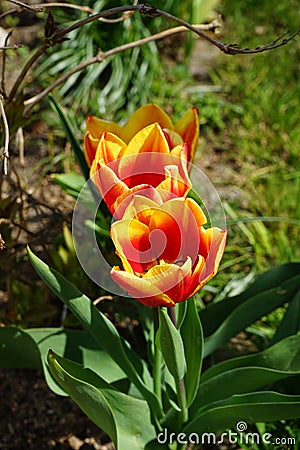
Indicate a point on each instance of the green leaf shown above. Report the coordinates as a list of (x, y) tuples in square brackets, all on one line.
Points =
[(171, 346), (236, 381), (290, 324), (192, 336), (251, 408), (29, 348), (249, 310), (284, 355), (100, 328), (18, 349), (89, 198), (70, 134), (248, 373), (72, 183), (125, 419), (77, 345), (214, 315)]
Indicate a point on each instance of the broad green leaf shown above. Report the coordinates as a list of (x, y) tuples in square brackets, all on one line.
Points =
[(76, 186), (236, 381), (70, 134), (249, 311), (72, 183), (125, 419), (18, 349), (100, 328), (290, 324), (77, 345), (284, 355), (29, 349), (249, 373), (171, 346), (215, 314), (251, 408), (192, 336)]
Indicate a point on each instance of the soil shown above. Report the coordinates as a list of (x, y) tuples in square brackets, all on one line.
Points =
[(32, 417)]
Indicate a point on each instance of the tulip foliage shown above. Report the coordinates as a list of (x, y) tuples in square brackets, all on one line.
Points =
[(167, 251)]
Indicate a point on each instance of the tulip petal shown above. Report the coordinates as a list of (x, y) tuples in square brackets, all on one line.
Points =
[(173, 182), (148, 139), (197, 212), (174, 139), (141, 289), (110, 148), (207, 268), (133, 246), (108, 183), (144, 116), (122, 208), (95, 127), (170, 234), (90, 147), (188, 128), (171, 278)]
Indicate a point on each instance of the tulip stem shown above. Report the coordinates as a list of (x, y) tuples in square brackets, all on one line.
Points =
[(157, 360), (180, 386)]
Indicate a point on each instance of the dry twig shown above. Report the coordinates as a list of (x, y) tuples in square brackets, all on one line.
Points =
[(101, 56), (146, 9), (5, 153), (24, 5)]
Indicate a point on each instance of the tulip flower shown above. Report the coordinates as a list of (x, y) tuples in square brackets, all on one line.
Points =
[(186, 129), (120, 170), (166, 253)]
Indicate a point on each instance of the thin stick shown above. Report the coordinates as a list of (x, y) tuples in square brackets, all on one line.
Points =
[(11, 47), (23, 73), (5, 154), (101, 56), (86, 9), (20, 144), (24, 5), (149, 10)]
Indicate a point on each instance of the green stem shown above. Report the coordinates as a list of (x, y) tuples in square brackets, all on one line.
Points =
[(157, 360), (180, 386)]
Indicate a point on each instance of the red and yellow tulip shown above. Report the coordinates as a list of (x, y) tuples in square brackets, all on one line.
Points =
[(120, 170), (166, 252), (185, 130)]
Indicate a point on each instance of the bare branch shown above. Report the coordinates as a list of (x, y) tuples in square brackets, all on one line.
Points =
[(4, 64), (100, 299), (230, 49), (2, 243), (24, 5), (86, 9), (146, 9), (11, 47), (5, 153), (101, 56), (20, 145), (149, 10), (119, 9), (23, 73)]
